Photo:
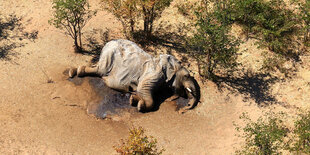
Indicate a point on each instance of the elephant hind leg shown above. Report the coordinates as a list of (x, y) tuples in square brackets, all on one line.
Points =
[(72, 72), (144, 103), (83, 71)]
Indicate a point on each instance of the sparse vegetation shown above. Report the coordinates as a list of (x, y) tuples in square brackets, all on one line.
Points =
[(72, 16), (131, 12), (264, 136), (212, 45), (301, 141), (273, 62), (273, 25), (138, 144), (125, 11), (269, 135), (304, 15), (12, 34), (185, 8), (268, 21)]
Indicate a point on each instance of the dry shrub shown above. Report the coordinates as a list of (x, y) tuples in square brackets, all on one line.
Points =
[(138, 144)]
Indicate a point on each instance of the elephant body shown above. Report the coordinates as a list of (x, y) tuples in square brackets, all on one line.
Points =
[(124, 66)]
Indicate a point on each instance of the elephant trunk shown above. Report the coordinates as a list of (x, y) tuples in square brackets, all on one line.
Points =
[(193, 93), (192, 100), (191, 103)]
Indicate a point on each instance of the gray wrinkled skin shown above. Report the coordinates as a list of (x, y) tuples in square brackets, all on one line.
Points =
[(124, 66)]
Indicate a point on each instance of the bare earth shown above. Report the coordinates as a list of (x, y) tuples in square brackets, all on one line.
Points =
[(42, 112)]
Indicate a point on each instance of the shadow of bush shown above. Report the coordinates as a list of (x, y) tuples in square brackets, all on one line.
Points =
[(254, 86), (95, 43), (162, 37), (11, 35)]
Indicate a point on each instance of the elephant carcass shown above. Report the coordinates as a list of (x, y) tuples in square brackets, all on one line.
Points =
[(124, 66)]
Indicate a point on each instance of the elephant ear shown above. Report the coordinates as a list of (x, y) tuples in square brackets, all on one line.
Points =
[(170, 65)]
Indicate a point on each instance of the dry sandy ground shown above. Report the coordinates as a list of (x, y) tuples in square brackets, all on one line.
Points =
[(42, 112)]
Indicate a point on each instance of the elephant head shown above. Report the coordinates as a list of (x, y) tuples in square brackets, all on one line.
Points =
[(186, 86), (179, 78)]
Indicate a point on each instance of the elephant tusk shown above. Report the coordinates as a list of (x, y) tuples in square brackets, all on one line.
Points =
[(189, 89)]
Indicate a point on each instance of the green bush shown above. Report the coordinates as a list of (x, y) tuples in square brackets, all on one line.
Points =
[(138, 144), (130, 12), (264, 136), (301, 141), (271, 23), (212, 45), (72, 16), (268, 21), (304, 15)]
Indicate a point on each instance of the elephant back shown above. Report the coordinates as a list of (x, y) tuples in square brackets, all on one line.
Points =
[(125, 61)]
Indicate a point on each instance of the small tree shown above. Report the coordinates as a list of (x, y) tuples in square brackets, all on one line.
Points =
[(212, 45), (129, 12), (126, 11), (304, 15), (72, 15), (138, 143), (265, 136), (152, 9)]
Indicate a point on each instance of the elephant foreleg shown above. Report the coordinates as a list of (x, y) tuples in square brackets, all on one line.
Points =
[(83, 71), (146, 102), (134, 99), (141, 106), (146, 89)]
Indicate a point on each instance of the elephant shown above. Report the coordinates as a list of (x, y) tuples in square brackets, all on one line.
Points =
[(125, 67)]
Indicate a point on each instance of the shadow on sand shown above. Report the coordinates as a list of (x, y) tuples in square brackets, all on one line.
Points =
[(254, 86), (12, 34), (162, 38), (114, 103), (95, 43)]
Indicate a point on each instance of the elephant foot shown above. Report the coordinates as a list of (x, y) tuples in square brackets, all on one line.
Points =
[(72, 72), (133, 100), (141, 106), (81, 71)]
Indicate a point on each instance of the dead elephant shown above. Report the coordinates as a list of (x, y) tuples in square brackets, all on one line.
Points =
[(125, 67)]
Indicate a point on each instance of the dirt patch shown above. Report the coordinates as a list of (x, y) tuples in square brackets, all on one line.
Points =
[(111, 104)]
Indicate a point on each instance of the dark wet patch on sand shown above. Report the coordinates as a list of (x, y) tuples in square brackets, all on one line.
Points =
[(112, 103)]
